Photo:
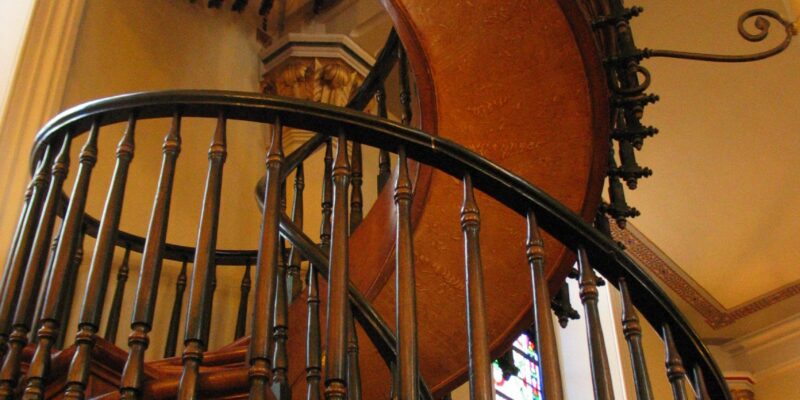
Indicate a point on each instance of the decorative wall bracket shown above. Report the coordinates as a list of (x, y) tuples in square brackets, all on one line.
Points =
[(761, 22), (324, 68), (628, 81)]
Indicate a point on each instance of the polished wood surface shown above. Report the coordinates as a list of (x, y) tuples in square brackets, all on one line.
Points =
[(598, 357), (633, 335), (175, 315), (260, 353), (150, 267), (406, 284), (18, 339), (100, 269), (50, 324), (676, 373), (338, 278), (112, 325), (244, 295), (481, 384), (201, 286), (522, 143), (546, 341), (295, 280), (465, 87)]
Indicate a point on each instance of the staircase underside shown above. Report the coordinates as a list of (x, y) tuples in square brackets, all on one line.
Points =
[(522, 84)]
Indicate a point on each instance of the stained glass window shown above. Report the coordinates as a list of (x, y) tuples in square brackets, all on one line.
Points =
[(525, 385)]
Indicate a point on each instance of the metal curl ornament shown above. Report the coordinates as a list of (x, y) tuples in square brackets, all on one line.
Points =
[(639, 88), (761, 23)]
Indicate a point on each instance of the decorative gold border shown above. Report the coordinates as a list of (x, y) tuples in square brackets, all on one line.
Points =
[(715, 314)]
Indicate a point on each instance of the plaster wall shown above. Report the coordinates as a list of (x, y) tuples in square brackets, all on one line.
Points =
[(13, 25), (129, 46)]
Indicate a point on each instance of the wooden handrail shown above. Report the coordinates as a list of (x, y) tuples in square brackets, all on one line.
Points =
[(447, 156)]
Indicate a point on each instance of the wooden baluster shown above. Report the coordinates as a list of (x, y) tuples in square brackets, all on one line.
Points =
[(18, 339), (209, 309), (313, 357), (297, 217), (394, 388), (633, 335), (280, 380), (150, 267), (700, 389), (313, 345), (542, 317), (49, 325), (175, 315), (481, 385), (204, 271), (356, 197), (100, 269), (327, 200), (338, 277), (65, 311), (384, 162), (21, 250), (405, 282), (405, 87), (7, 271), (601, 375), (241, 315), (112, 325), (14, 243), (37, 316), (353, 368), (675, 371), (261, 334)]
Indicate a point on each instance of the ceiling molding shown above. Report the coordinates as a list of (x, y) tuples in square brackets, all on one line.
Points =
[(662, 267), (770, 351)]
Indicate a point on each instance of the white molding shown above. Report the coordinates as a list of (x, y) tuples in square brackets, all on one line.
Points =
[(777, 369), (307, 45), (785, 331), (768, 351), (739, 380), (35, 96), (294, 138)]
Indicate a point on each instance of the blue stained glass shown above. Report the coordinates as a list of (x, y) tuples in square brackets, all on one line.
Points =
[(525, 385)]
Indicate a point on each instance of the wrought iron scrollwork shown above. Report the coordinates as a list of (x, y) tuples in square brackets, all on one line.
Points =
[(761, 20), (628, 81)]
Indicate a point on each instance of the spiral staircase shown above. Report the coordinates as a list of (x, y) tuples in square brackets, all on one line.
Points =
[(489, 203)]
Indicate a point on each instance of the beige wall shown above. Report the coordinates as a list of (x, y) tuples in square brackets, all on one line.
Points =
[(134, 45)]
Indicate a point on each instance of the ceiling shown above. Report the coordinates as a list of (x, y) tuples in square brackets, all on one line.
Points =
[(722, 203)]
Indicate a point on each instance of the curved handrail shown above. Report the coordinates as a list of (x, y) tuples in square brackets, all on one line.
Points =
[(447, 156), (363, 95)]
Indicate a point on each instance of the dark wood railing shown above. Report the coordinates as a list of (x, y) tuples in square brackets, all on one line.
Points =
[(35, 304), (685, 350)]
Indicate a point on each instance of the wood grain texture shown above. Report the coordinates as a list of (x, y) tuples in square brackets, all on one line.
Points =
[(480, 71), (519, 82)]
